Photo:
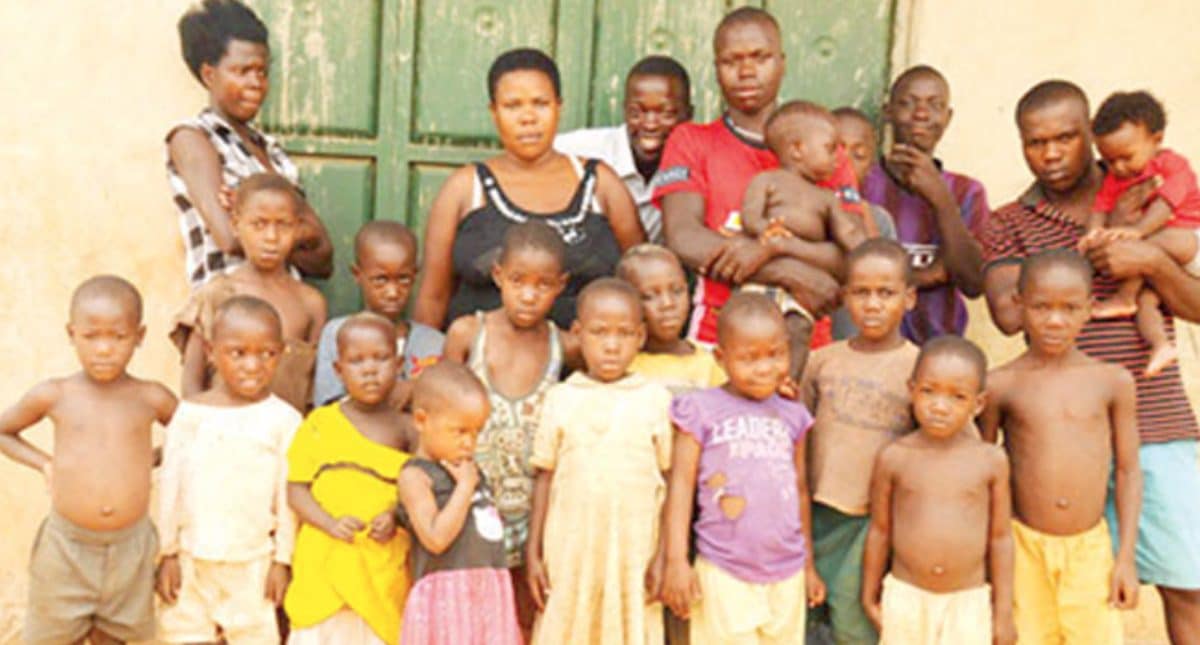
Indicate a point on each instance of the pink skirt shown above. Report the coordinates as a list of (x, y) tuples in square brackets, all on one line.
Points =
[(462, 607)]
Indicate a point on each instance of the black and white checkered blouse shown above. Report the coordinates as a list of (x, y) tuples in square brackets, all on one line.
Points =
[(205, 259)]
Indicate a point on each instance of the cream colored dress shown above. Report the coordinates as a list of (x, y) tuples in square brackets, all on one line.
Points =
[(608, 445)]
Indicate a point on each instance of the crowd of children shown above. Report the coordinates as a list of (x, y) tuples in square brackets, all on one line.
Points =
[(512, 481)]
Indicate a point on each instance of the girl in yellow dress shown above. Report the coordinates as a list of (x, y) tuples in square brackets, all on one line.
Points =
[(601, 447), (349, 577)]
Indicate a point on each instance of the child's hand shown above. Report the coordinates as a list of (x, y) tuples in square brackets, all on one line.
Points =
[(225, 197), (344, 528), (278, 577), (1004, 630), (464, 472), (654, 577), (539, 582), (814, 586), (874, 613), (1090, 240), (1119, 233), (1123, 590), (789, 389), (383, 527), (680, 588), (168, 578)]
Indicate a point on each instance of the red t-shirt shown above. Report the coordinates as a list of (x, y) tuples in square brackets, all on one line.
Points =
[(1178, 188), (717, 162)]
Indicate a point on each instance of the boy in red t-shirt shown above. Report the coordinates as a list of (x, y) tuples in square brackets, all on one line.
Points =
[(1129, 130)]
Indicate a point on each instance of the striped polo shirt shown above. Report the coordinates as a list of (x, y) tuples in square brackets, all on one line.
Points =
[(1031, 225)]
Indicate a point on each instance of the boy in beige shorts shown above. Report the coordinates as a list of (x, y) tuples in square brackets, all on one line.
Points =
[(92, 568)]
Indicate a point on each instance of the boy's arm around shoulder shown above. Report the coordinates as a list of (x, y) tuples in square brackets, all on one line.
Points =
[(1000, 545), (31, 408), (1128, 479), (459, 337)]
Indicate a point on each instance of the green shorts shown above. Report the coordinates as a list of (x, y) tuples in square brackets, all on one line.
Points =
[(838, 544)]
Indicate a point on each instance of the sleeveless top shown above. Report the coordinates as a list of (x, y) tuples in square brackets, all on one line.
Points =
[(478, 545), (204, 259), (592, 250), (505, 443)]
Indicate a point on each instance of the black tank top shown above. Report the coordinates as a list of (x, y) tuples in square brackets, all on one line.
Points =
[(480, 544), (592, 250)]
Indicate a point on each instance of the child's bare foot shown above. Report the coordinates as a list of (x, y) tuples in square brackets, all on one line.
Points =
[(1114, 307), (1161, 358)]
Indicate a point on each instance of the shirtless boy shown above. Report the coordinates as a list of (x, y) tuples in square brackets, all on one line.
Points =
[(1065, 415), (92, 568), (266, 215), (948, 493)]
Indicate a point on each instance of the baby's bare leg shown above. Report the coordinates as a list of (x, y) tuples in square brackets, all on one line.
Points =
[(1122, 303), (799, 331), (1153, 328)]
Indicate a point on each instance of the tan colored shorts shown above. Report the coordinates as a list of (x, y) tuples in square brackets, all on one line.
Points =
[(229, 595), (81, 579), (735, 612), (913, 615)]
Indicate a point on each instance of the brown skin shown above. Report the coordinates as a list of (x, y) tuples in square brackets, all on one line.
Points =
[(919, 111), (951, 491), (266, 224), (877, 299), (534, 176), (860, 141), (385, 271), (755, 355), (660, 281), (1060, 437), (101, 410), (237, 86), (654, 105), (245, 352), (1056, 141), (750, 67)]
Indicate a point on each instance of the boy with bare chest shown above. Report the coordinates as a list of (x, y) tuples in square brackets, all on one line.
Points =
[(92, 567), (1065, 417), (948, 494)]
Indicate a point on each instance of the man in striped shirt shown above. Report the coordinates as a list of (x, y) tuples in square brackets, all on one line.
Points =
[(1056, 140)]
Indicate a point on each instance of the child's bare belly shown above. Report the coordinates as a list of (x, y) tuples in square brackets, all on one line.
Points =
[(940, 545), (1059, 489), (102, 488)]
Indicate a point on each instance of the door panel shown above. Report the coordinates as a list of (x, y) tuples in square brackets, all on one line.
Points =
[(342, 190)]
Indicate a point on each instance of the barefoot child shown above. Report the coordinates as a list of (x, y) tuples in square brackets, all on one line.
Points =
[(940, 513), (265, 216), (603, 441), (666, 358), (385, 268), (227, 532), (349, 578), (858, 392), (92, 568), (739, 451), (1129, 132), (1066, 416), (461, 588), (517, 355)]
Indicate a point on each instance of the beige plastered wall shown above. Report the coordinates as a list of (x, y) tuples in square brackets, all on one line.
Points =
[(90, 89)]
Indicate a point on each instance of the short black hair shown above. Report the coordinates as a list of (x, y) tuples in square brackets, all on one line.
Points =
[(787, 121), (533, 234), (954, 346), (269, 182), (521, 59), (1039, 263), (879, 247), (663, 66), (640, 253), (1048, 93), (249, 306), (440, 385), (386, 231), (745, 15), (745, 304), (206, 29), (109, 287), (609, 286), (915, 71), (1129, 107), (366, 320)]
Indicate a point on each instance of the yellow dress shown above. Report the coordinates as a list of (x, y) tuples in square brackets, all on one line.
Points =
[(349, 475), (680, 374), (608, 444)]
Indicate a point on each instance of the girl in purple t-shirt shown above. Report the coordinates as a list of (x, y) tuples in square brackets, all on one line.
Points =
[(739, 451)]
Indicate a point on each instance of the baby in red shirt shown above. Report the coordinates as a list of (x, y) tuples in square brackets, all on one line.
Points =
[(1129, 131)]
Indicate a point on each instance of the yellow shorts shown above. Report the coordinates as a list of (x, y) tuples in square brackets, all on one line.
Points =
[(734, 612), (1061, 585), (229, 595), (914, 616)]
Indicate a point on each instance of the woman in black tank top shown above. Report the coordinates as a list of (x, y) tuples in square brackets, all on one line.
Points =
[(529, 180)]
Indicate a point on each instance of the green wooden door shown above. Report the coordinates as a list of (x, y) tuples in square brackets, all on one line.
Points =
[(379, 100)]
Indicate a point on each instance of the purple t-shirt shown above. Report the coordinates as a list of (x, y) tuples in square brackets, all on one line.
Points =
[(940, 310), (747, 452)]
